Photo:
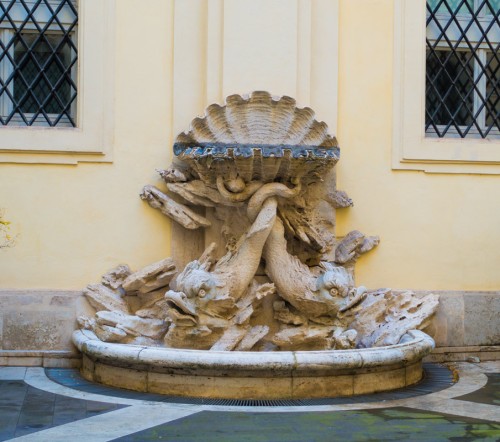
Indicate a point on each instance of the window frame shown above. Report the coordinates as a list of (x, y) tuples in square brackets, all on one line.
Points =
[(18, 14), (91, 139), (453, 35), (412, 149)]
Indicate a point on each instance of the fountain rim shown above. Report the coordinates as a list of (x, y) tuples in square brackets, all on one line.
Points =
[(416, 346)]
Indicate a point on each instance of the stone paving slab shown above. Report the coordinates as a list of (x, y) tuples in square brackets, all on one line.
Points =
[(36, 408), (390, 424), (489, 394), (25, 409)]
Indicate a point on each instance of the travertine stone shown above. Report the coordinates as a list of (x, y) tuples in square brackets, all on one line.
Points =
[(339, 199), (283, 314), (447, 326), (36, 329), (275, 363), (61, 362), (353, 245), (254, 170), (481, 320), (413, 373), (257, 165), (384, 317), (151, 277), (120, 377), (103, 298), (175, 174), (253, 374), (115, 277), (197, 386), (198, 193), (155, 310), (254, 335), (23, 361), (180, 213), (88, 367), (107, 333), (367, 383), (249, 123), (295, 338), (320, 387), (132, 325), (230, 339), (450, 354)]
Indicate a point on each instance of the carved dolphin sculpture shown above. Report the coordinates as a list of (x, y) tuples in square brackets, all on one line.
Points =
[(327, 295), (216, 292)]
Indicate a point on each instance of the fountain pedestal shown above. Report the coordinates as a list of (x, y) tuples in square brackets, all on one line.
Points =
[(254, 375), (274, 312)]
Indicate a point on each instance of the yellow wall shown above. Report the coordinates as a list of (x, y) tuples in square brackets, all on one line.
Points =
[(438, 231)]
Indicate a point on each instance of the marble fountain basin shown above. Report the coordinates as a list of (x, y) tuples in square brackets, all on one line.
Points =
[(254, 375)]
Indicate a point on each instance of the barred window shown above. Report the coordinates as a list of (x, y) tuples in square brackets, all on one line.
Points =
[(463, 68), (38, 62)]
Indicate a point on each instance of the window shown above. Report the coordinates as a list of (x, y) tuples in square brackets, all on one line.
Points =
[(463, 68), (38, 62), (446, 84), (57, 71)]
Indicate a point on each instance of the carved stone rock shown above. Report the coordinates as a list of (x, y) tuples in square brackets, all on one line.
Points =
[(339, 199), (178, 212), (353, 245), (384, 317), (257, 173), (151, 278), (108, 333), (254, 335), (115, 277), (103, 298), (133, 325)]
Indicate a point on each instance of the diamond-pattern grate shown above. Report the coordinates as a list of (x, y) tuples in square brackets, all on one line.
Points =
[(463, 74), (38, 62)]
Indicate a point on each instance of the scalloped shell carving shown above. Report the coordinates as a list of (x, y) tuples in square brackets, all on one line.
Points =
[(259, 120), (258, 138)]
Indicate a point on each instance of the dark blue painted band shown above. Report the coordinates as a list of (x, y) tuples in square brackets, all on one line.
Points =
[(201, 150)]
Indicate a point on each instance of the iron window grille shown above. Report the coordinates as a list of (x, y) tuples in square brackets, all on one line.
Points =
[(463, 68), (38, 62)]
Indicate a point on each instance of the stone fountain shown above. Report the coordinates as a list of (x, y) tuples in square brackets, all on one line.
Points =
[(270, 310)]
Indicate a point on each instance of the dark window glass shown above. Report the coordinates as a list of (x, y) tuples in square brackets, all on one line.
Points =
[(492, 91), (463, 75), (41, 69), (450, 87), (38, 62)]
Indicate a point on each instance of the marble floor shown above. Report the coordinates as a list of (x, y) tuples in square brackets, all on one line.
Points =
[(38, 404)]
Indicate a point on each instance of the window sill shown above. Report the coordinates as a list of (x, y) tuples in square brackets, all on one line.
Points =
[(411, 149), (93, 138)]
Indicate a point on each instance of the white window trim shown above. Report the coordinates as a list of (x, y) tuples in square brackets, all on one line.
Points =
[(412, 150), (92, 139)]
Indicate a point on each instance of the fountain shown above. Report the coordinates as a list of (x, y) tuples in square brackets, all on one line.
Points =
[(271, 309)]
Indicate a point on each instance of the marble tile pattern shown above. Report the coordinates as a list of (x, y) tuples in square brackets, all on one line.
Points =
[(34, 407)]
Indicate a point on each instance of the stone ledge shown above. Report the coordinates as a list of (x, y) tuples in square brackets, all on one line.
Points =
[(37, 358), (461, 354)]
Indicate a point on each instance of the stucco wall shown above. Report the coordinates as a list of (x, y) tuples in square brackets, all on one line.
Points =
[(172, 59)]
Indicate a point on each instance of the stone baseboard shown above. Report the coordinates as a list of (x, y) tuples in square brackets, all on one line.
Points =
[(462, 354), (36, 358)]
